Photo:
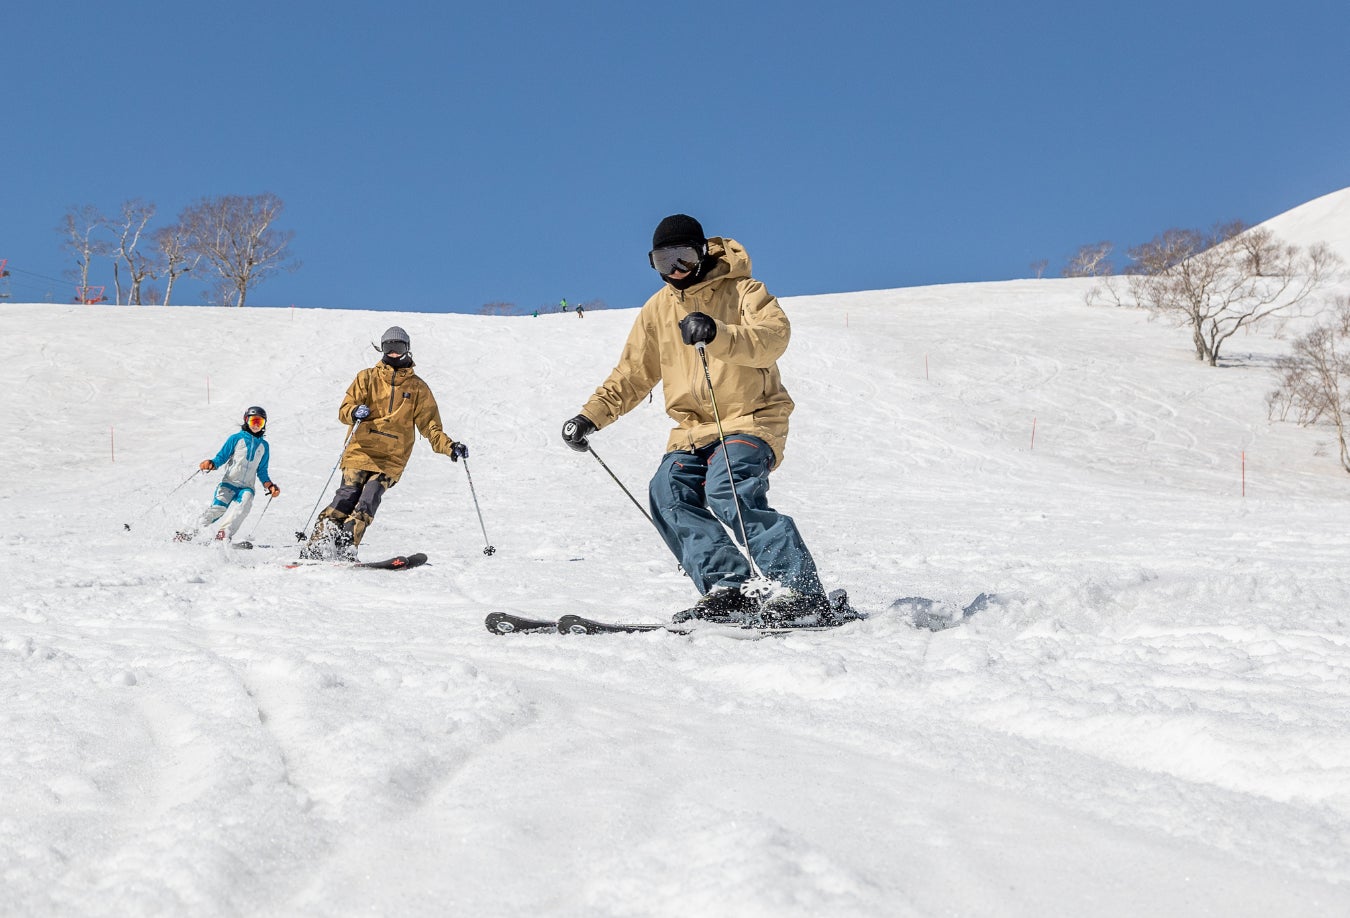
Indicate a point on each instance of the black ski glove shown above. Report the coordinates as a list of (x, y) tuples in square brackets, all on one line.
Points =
[(575, 432), (457, 450), (698, 328)]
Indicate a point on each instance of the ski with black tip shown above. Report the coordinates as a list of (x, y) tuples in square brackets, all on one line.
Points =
[(396, 563), (506, 623), (576, 624), (509, 623)]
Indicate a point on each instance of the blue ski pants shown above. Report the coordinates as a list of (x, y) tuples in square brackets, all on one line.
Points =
[(692, 506)]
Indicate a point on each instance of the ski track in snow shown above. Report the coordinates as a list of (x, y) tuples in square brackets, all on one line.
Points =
[(1157, 720)]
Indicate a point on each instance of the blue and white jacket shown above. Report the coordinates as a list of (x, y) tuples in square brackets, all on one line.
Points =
[(243, 460)]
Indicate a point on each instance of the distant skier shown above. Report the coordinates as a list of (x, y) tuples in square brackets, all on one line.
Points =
[(580, 311), (710, 297), (386, 405), (243, 460)]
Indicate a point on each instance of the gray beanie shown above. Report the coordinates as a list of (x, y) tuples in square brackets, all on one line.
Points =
[(393, 337)]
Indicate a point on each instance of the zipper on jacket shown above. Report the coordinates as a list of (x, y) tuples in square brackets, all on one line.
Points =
[(699, 384)]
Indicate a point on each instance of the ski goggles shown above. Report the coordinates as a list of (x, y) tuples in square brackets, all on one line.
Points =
[(255, 422), (674, 258)]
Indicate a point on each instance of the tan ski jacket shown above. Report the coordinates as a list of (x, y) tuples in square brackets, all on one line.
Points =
[(399, 402), (752, 333)]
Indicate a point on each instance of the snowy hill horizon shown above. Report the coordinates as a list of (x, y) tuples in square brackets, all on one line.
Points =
[(1157, 721)]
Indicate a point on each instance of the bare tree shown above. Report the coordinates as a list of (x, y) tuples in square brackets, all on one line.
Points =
[(1218, 283), (1090, 261), (497, 308), (1168, 249), (128, 230), (1315, 378), (176, 255), (1038, 267), (79, 236), (234, 234)]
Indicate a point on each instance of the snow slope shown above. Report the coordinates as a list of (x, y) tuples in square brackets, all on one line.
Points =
[(1325, 219), (1158, 724)]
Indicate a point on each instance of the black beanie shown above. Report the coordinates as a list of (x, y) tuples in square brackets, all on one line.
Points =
[(678, 229)]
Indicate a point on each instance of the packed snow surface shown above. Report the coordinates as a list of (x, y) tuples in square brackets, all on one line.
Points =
[(1156, 721)]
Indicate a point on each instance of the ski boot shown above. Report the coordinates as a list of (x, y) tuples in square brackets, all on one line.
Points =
[(725, 605), (790, 608), (344, 543)]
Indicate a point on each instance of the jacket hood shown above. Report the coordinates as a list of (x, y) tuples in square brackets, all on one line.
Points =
[(725, 258)]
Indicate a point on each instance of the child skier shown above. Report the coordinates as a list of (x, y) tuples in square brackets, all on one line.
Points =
[(243, 459)]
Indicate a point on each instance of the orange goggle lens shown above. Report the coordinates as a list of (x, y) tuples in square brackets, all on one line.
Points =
[(256, 423)]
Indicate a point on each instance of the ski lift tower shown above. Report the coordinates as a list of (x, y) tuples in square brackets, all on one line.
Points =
[(4, 279), (88, 296)]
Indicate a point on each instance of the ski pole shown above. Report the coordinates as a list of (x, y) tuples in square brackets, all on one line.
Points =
[(160, 502), (487, 546), (591, 449), (254, 530), (301, 535), (758, 585)]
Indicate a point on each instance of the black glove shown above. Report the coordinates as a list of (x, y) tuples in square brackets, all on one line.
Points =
[(698, 328), (361, 412), (575, 432), (458, 449)]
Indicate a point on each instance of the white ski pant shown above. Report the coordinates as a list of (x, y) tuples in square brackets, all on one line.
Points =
[(229, 509)]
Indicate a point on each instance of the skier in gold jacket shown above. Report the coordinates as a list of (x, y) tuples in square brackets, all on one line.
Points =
[(387, 405)]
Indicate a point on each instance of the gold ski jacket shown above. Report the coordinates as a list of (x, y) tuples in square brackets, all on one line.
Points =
[(752, 333), (400, 403)]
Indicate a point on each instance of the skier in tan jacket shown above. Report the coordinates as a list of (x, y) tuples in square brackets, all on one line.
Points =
[(388, 404), (709, 296)]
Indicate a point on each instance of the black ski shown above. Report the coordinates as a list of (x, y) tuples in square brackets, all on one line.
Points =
[(396, 563), (575, 624), (506, 623)]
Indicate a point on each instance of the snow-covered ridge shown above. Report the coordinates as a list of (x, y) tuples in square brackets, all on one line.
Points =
[(1325, 219)]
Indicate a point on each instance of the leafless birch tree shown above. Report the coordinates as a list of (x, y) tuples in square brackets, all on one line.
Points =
[(1090, 261), (176, 256), (236, 237), (1315, 378), (79, 231), (1218, 283), (129, 229)]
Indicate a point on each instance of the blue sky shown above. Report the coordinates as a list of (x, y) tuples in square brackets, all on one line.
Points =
[(437, 157)]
